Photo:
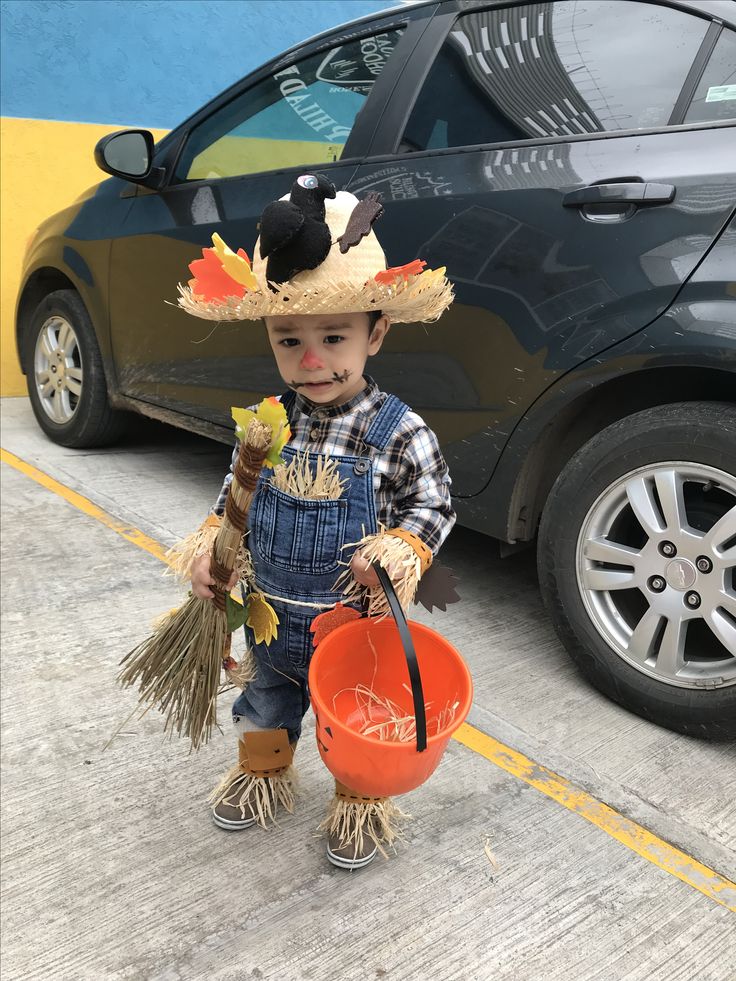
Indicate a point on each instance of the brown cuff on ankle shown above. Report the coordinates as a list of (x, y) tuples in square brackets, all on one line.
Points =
[(423, 551), (345, 793), (265, 754)]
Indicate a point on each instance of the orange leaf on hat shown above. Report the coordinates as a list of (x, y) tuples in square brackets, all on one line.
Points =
[(330, 620), (388, 276), (210, 279)]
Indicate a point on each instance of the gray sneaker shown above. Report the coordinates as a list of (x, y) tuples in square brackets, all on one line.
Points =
[(231, 817), (350, 856), (253, 799), (233, 814)]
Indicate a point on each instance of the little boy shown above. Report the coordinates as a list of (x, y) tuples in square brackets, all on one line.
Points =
[(334, 300)]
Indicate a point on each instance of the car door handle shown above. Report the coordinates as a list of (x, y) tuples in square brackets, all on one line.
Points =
[(634, 192)]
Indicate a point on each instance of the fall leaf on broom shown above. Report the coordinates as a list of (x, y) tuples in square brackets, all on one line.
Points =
[(388, 276), (236, 613), (236, 265), (330, 620), (243, 418), (273, 414), (262, 619)]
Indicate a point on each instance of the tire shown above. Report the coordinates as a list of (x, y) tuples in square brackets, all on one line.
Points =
[(65, 377), (653, 629)]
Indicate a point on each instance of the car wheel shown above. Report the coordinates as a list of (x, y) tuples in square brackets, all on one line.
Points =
[(64, 374), (637, 560)]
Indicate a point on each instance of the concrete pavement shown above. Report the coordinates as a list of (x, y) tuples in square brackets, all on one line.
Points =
[(111, 868)]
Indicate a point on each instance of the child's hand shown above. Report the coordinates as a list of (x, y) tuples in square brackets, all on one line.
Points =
[(202, 580), (364, 573)]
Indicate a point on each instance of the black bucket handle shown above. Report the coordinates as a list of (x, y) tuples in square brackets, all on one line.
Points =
[(417, 692)]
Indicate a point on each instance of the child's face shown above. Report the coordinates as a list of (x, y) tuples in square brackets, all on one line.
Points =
[(322, 356)]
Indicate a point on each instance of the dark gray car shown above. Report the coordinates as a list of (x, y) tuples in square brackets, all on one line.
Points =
[(572, 163)]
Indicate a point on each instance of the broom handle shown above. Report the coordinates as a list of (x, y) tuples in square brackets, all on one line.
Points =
[(248, 465), (417, 692)]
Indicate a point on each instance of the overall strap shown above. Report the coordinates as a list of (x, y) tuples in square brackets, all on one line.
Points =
[(384, 425), (288, 400)]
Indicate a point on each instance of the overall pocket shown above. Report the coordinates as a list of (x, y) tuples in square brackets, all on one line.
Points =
[(298, 535), (298, 643)]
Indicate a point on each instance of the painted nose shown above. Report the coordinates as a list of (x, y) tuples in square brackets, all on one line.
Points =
[(310, 361)]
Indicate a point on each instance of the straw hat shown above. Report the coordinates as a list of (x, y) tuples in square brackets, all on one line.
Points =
[(317, 253)]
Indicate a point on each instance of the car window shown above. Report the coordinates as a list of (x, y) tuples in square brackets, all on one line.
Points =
[(715, 96), (301, 114), (562, 69)]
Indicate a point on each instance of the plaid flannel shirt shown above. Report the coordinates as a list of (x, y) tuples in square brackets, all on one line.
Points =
[(411, 481)]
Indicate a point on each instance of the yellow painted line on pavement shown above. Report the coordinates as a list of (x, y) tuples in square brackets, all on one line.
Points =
[(83, 504), (629, 833), (655, 850)]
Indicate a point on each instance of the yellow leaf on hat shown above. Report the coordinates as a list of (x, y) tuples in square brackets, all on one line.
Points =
[(262, 619), (236, 265)]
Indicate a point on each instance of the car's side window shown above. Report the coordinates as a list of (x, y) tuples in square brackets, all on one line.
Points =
[(300, 114), (550, 70), (715, 96)]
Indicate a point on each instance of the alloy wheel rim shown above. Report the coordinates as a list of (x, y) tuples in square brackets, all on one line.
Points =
[(656, 570), (58, 372)]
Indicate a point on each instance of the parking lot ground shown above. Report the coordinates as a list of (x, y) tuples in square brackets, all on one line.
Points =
[(613, 839)]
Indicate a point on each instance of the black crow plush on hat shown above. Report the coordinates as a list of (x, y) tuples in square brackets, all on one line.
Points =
[(294, 234)]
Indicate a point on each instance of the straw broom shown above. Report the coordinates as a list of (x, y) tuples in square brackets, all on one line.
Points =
[(180, 557), (177, 669)]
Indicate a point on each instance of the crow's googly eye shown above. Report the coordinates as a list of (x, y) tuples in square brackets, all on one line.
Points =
[(307, 181)]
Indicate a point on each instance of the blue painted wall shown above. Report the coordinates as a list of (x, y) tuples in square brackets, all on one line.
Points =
[(146, 62)]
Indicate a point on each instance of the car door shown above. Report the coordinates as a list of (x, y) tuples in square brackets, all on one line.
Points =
[(561, 174), (301, 113)]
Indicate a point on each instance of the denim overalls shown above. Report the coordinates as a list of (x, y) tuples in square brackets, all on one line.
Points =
[(295, 545)]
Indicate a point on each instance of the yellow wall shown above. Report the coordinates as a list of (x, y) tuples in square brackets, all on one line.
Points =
[(44, 166)]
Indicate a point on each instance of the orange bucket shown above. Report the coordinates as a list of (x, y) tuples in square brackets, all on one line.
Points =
[(437, 677)]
